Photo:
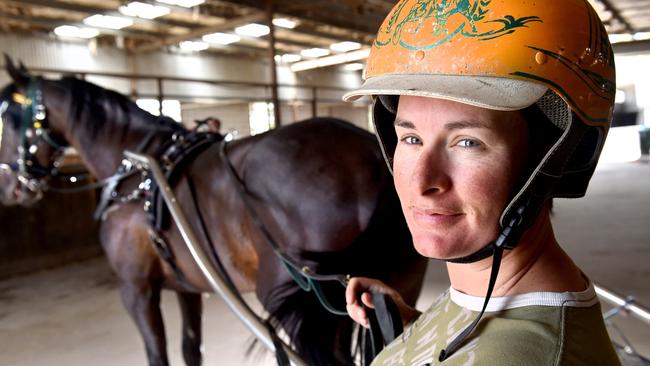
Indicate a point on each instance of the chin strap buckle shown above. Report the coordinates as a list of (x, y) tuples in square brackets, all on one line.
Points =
[(514, 227)]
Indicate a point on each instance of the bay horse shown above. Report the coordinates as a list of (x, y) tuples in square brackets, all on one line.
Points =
[(320, 187)]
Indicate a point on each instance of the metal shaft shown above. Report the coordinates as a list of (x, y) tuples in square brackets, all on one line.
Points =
[(634, 309)]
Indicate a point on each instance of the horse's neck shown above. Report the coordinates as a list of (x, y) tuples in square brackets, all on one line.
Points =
[(103, 154)]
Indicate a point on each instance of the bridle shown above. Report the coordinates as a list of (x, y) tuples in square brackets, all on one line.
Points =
[(34, 134)]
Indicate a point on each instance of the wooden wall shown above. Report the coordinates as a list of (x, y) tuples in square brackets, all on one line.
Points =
[(57, 230)]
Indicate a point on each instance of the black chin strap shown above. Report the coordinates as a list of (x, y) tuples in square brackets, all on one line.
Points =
[(457, 342), (507, 239), (480, 254)]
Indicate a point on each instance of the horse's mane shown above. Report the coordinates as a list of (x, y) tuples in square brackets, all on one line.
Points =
[(101, 109), (97, 109)]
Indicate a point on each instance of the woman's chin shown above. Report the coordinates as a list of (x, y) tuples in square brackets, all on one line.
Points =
[(440, 249), (433, 249)]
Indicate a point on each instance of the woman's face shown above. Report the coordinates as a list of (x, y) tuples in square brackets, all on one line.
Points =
[(455, 166)]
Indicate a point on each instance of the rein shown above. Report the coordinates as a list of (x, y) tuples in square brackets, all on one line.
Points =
[(304, 276)]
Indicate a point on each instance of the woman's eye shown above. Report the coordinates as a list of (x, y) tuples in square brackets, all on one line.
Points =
[(468, 143), (411, 140)]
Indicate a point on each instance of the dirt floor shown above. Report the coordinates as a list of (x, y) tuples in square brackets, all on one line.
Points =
[(73, 316)]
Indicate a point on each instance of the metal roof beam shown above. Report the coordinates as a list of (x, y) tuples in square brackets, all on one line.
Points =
[(227, 25), (325, 12), (51, 24), (95, 10), (617, 15), (635, 47)]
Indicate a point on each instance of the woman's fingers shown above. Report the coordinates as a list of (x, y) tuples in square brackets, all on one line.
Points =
[(358, 314), (357, 295), (366, 299)]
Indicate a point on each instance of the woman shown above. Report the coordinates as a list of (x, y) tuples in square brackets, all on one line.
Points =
[(485, 111)]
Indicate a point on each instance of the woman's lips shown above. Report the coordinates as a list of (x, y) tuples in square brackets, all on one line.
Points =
[(432, 217)]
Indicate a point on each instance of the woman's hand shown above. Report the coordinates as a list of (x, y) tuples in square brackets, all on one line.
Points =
[(361, 287)]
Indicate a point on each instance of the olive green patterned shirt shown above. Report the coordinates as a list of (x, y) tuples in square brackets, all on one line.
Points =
[(541, 328)]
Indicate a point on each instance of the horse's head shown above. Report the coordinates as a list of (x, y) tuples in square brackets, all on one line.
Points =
[(28, 149)]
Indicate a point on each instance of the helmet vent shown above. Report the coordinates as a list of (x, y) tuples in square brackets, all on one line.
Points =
[(555, 109)]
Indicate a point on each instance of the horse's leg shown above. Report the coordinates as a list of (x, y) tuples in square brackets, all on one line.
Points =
[(126, 243), (191, 310), (142, 301)]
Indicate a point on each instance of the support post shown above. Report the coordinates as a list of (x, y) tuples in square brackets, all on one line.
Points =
[(160, 95), (274, 71), (314, 105)]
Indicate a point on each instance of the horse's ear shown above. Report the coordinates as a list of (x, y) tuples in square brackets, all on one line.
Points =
[(19, 75)]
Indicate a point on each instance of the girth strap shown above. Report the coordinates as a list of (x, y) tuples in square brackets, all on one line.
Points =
[(174, 159)]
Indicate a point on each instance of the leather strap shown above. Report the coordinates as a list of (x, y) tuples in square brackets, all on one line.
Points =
[(385, 323), (458, 341), (388, 317)]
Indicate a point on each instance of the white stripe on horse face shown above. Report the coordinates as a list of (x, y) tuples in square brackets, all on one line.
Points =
[(3, 108)]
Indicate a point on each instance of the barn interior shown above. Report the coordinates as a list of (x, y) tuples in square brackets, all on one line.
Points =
[(256, 66)]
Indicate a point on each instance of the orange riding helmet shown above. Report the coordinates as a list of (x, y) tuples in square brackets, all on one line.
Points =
[(503, 55)]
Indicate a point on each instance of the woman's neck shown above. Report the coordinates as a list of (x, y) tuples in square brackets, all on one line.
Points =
[(536, 264)]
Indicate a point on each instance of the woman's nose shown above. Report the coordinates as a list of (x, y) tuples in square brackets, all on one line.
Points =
[(431, 173)]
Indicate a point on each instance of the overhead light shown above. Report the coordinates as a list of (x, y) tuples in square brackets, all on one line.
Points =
[(143, 10), (108, 21), (641, 36), (290, 57), (621, 37), (284, 23), (193, 46), (221, 38), (183, 3), (353, 67), (75, 32), (340, 58), (253, 30), (287, 58), (314, 52), (345, 46)]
